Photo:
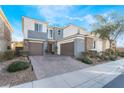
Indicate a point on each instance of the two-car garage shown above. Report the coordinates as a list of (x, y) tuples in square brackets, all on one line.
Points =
[(34, 47), (67, 49), (72, 46)]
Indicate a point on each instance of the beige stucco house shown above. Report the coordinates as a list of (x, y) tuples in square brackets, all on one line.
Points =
[(40, 39), (5, 32)]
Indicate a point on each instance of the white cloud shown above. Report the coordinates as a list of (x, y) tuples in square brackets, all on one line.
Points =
[(75, 18), (89, 19), (106, 14), (51, 13)]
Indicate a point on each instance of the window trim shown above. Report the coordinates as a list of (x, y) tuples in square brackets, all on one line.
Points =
[(51, 33), (38, 27), (59, 32), (94, 44)]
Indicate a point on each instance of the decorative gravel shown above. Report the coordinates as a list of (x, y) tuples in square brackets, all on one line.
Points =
[(12, 79)]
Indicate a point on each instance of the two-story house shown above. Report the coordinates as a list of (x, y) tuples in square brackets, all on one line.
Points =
[(35, 35), (5, 32), (71, 40)]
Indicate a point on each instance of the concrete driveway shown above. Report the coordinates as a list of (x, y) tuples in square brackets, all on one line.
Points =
[(106, 75), (51, 65)]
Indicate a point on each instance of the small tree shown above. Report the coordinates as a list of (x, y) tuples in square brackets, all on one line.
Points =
[(109, 27)]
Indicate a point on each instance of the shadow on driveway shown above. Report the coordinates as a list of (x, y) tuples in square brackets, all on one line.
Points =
[(118, 82)]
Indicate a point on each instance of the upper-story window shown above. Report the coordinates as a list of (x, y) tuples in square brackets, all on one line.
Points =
[(59, 32), (38, 27), (51, 33), (94, 44)]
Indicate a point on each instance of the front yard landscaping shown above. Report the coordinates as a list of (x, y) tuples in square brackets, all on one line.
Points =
[(16, 71), (93, 57), (18, 66)]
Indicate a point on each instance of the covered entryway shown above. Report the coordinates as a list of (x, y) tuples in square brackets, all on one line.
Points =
[(35, 48), (51, 47), (67, 49)]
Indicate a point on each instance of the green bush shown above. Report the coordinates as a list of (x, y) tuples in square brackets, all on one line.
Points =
[(8, 55), (24, 53), (18, 66), (87, 60), (112, 57)]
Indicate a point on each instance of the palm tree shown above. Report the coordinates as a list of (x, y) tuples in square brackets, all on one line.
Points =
[(109, 27)]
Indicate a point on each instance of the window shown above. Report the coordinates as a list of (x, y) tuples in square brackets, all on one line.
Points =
[(51, 33), (59, 32), (8, 47), (94, 44), (38, 27)]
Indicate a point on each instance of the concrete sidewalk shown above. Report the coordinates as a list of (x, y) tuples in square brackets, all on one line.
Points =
[(93, 77)]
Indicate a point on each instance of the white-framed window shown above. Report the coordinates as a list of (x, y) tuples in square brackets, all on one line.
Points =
[(51, 33), (38, 27), (94, 44), (59, 32)]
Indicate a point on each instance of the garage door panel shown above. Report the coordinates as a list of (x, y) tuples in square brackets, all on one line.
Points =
[(67, 49), (35, 48)]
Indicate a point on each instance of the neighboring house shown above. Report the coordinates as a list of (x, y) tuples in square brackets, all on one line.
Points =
[(120, 49), (16, 44), (17, 47), (5, 32), (70, 40)]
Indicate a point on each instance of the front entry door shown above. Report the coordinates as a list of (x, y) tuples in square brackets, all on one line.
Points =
[(50, 48)]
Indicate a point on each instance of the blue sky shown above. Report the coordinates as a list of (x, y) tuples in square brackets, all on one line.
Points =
[(57, 16)]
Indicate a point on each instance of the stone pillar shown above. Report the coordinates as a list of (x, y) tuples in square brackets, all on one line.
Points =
[(79, 47)]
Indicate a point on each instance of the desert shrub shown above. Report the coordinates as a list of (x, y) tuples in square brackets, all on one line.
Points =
[(1, 57), (7, 55), (99, 56), (110, 52), (24, 53), (121, 54), (87, 60), (104, 57), (18, 66), (92, 53), (112, 57)]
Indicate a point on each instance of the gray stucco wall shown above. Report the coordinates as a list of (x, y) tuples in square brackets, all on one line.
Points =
[(45, 47), (79, 47), (37, 35), (55, 34), (58, 36)]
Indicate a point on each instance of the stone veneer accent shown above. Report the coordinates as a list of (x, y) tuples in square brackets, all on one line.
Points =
[(88, 43)]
